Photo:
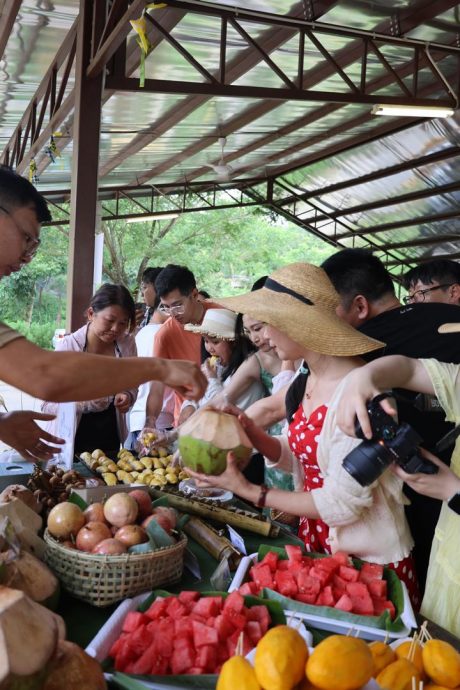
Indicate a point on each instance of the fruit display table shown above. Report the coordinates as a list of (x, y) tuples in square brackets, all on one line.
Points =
[(83, 621)]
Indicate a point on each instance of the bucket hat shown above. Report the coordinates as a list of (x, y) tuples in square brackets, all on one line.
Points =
[(217, 323), (300, 300)]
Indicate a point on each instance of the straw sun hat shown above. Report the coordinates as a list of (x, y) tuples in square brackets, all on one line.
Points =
[(217, 323), (300, 300)]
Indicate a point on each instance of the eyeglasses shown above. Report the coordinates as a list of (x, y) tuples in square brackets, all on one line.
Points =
[(172, 311), (419, 295), (32, 243)]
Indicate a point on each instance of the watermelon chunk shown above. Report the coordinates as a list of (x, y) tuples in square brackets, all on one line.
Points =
[(188, 596), (262, 575), (234, 603), (182, 658), (133, 620), (326, 597), (339, 583), (254, 631), (176, 609), (270, 559), (208, 606), (125, 655), (224, 626), (329, 564), (141, 639), (380, 606), (157, 609), (294, 552), (206, 657), (348, 573), (160, 666), (357, 589), (342, 558), (344, 603), (285, 583), (370, 571), (362, 605), (377, 589), (261, 614), (324, 576), (203, 634), (248, 589), (308, 586), (144, 663)]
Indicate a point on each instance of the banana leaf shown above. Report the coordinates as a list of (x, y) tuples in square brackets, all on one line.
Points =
[(184, 682), (382, 622)]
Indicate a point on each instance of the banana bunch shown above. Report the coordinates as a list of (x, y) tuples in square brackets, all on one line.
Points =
[(153, 470)]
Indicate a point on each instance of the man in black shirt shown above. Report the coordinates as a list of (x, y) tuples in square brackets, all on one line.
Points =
[(369, 302)]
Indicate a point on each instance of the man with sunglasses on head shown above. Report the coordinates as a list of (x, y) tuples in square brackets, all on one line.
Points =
[(179, 300), (435, 281), (57, 376)]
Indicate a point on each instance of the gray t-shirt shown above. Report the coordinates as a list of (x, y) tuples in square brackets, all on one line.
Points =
[(7, 334)]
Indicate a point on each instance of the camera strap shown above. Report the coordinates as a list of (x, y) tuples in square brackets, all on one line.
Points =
[(448, 439)]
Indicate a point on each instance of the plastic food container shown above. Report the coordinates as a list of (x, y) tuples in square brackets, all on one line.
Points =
[(332, 624)]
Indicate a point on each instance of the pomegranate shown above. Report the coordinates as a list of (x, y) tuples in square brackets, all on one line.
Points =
[(130, 535), (91, 534), (65, 520), (162, 520), (110, 547), (94, 513), (143, 501), (120, 509), (170, 513)]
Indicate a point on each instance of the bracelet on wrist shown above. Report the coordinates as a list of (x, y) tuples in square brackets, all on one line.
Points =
[(264, 489)]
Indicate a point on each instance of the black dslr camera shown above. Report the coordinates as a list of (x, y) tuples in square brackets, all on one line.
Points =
[(391, 442)]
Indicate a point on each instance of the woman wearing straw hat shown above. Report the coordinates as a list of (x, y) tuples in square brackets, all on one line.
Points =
[(228, 348), (298, 304)]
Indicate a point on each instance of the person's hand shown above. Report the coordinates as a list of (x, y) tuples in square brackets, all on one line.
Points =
[(186, 378), (442, 485), (359, 389), (140, 313), (186, 413), (123, 402), (231, 479), (208, 370), (19, 430)]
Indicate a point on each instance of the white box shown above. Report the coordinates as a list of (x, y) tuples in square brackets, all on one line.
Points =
[(94, 494)]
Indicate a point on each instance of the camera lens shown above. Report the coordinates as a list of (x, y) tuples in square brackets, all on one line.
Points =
[(366, 462)]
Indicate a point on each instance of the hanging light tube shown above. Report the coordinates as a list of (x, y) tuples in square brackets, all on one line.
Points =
[(412, 110), (153, 216)]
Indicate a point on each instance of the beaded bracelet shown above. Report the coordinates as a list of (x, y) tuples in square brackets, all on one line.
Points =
[(264, 489)]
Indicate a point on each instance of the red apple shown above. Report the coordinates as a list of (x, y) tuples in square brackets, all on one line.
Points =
[(130, 535), (110, 547), (162, 520), (95, 513), (91, 534), (143, 501)]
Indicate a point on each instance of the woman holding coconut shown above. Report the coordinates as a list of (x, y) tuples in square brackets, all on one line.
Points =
[(298, 305)]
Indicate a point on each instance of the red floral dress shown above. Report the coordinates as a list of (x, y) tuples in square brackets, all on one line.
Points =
[(303, 435)]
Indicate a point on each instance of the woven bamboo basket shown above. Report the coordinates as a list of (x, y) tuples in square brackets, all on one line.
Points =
[(103, 580)]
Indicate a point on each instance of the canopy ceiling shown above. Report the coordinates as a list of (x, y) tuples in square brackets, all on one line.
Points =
[(289, 85)]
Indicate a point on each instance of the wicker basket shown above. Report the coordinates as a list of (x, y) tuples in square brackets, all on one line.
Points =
[(104, 580)]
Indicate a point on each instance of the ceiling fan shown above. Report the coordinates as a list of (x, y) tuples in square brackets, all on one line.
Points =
[(223, 170)]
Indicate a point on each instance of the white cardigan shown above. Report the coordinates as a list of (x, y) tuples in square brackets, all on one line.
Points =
[(368, 522)]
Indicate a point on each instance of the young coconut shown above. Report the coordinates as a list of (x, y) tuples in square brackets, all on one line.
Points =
[(29, 635), (74, 669), (207, 437), (31, 576)]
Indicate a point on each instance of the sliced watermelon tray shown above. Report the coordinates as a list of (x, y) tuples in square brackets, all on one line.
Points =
[(331, 593), (186, 635)]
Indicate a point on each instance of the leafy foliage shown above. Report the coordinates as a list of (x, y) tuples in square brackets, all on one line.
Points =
[(226, 249)]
